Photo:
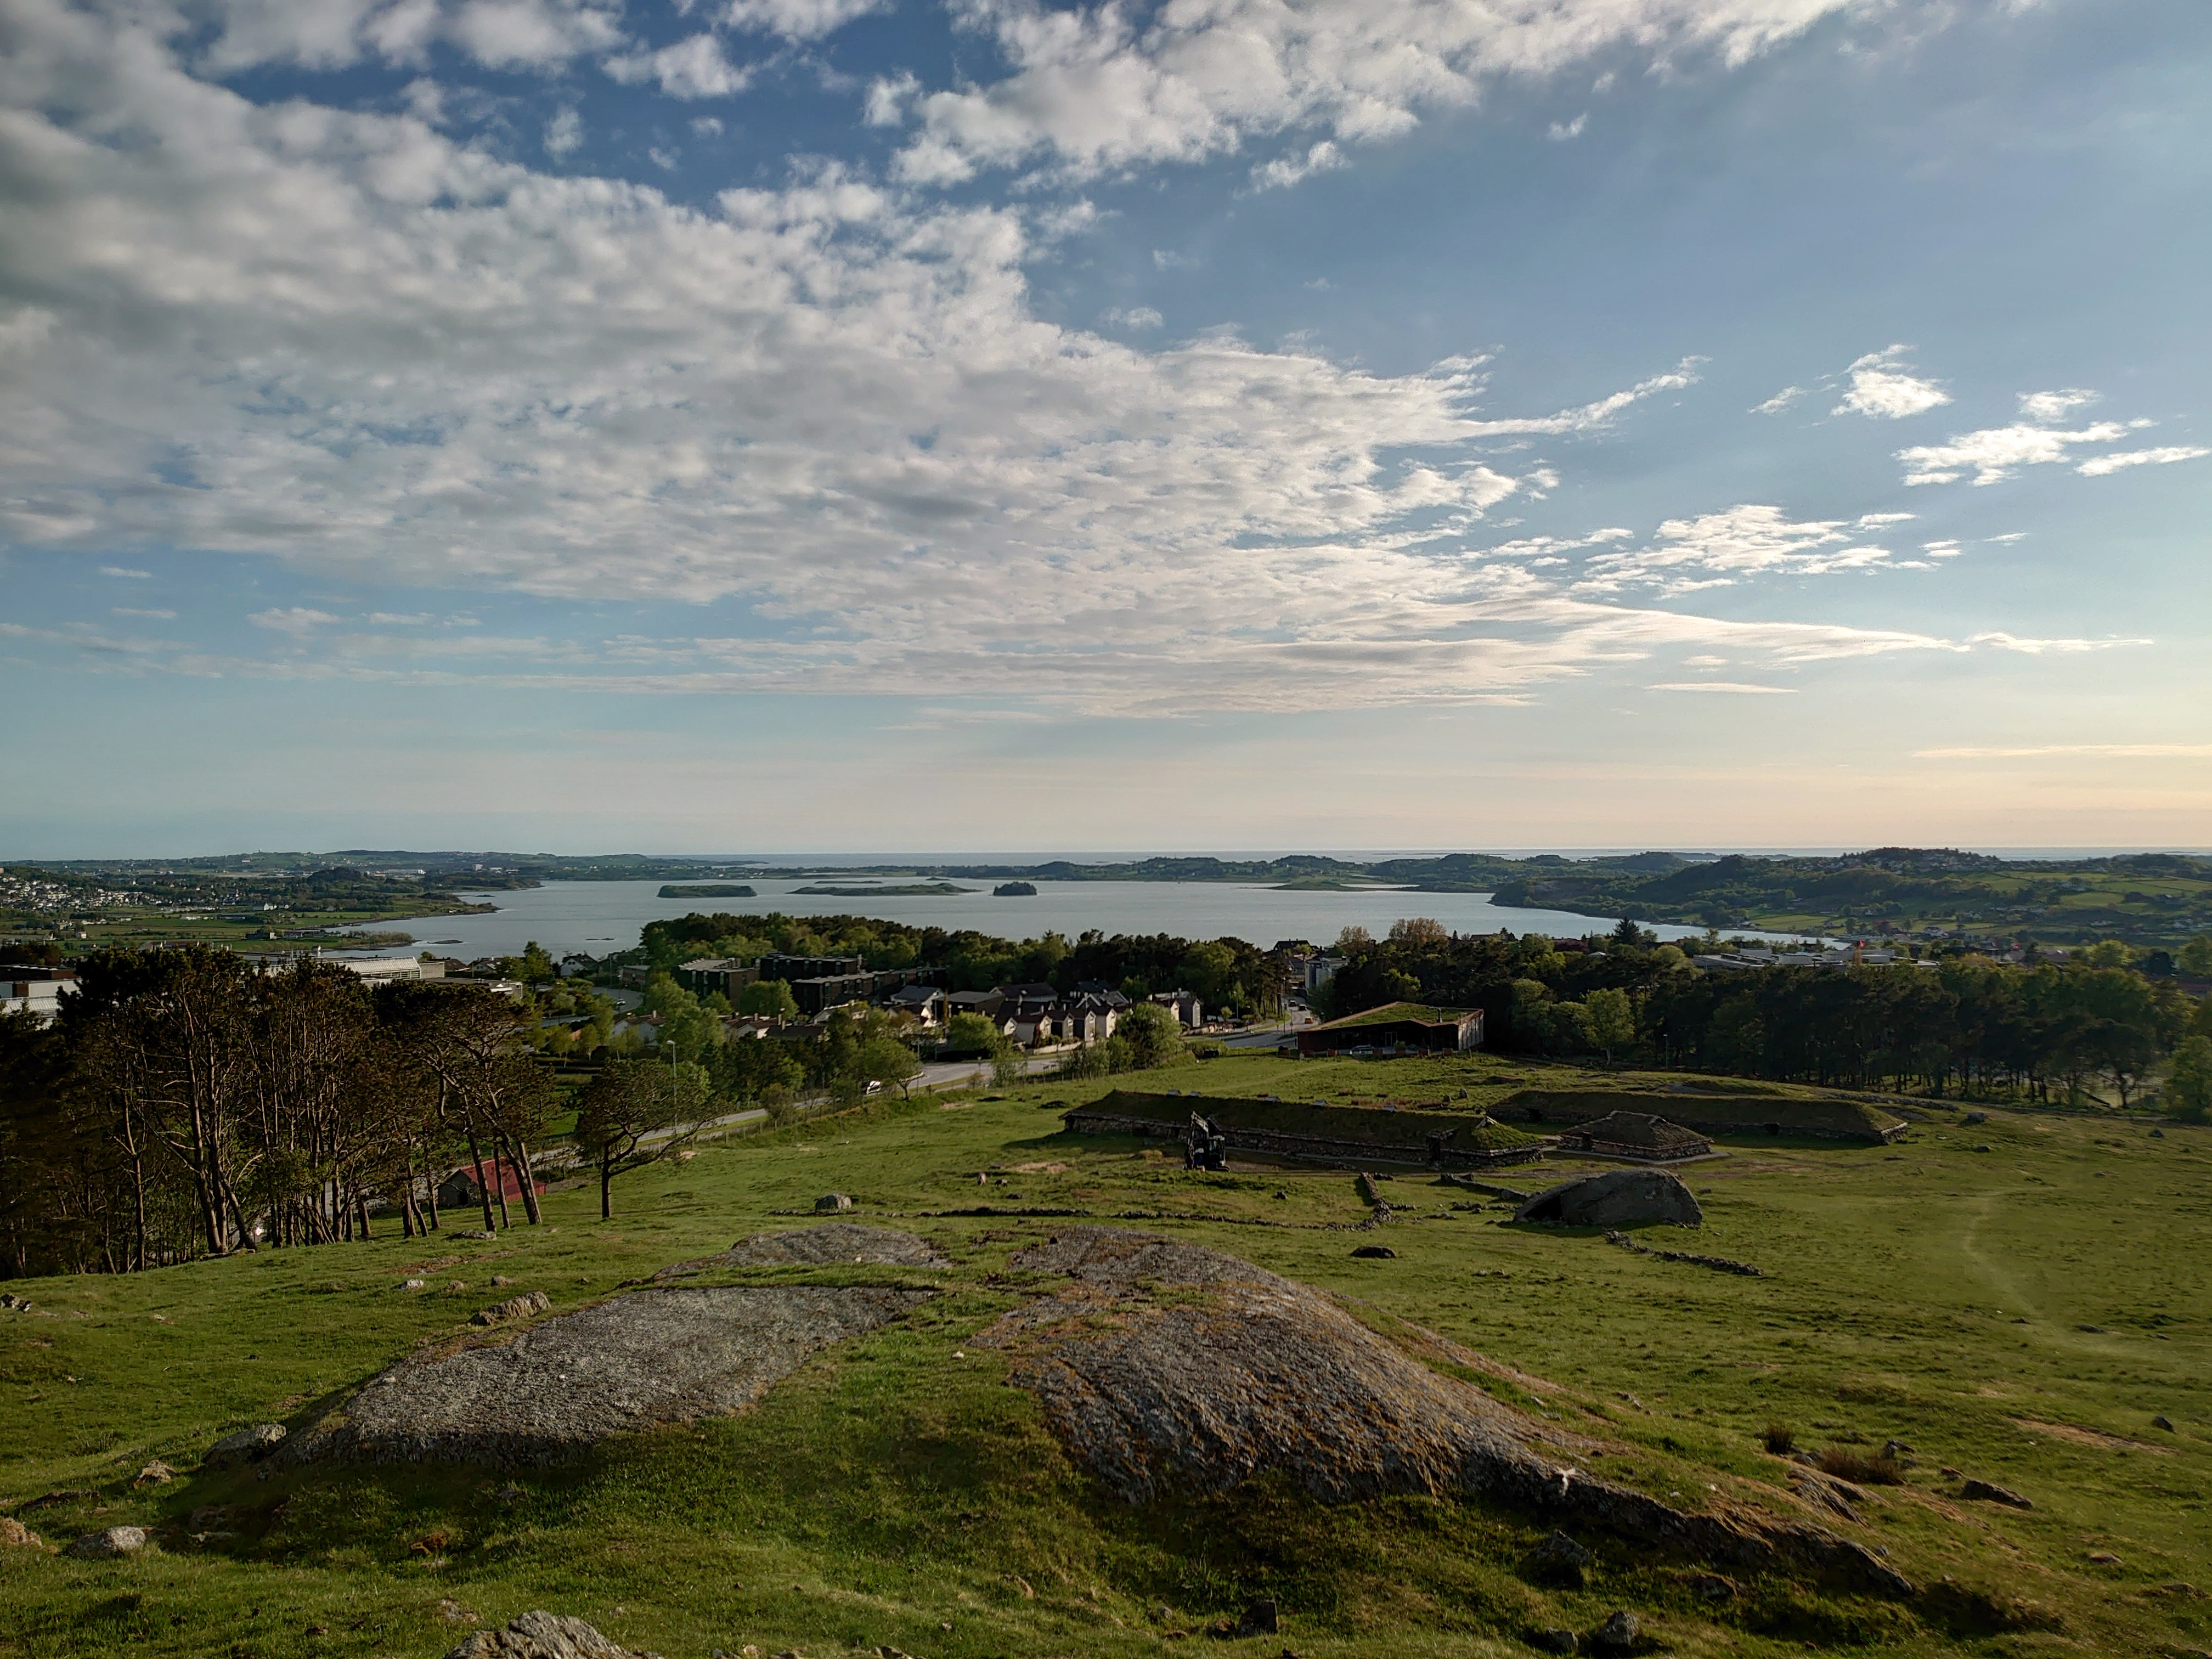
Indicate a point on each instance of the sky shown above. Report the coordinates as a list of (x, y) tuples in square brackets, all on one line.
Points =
[(591, 425)]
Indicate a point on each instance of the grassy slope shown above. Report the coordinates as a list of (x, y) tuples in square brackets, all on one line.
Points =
[(894, 1493)]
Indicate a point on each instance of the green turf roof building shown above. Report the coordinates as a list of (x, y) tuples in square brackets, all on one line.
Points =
[(1396, 1028)]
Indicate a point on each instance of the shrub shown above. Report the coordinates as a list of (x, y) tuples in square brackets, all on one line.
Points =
[(1867, 1470), (1781, 1439)]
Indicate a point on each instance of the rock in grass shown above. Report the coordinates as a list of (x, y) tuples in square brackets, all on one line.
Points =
[(1376, 1253), (106, 1545), (1989, 1492), (1165, 1394), (1555, 1641), (1261, 1619), (2162, 1421), (155, 1472), (1560, 1560), (1617, 1637), (541, 1635), (527, 1306), (832, 1204), (13, 1531), (246, 1446), (1618, 1198)]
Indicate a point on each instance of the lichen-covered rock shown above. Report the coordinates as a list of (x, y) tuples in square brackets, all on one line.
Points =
[(1618, 1198), (828, 1245), (246, 1446), (1256, 1375), (658, 1356), (108, 1543), (540, 1635), (527, 1306), (832, 1204)]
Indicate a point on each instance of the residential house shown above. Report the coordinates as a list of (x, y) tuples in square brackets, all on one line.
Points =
[(1188, 1011), (924, 1003)]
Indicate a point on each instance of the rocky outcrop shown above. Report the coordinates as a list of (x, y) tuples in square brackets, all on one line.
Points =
[(563, 1385), (1236, 1375), (1618, 1198), (825, 1245), (246, 1446), (540, 1635)]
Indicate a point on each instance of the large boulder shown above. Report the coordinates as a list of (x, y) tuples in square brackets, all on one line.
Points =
[(1618, 1198), (1172, 1370), (541, 1635), (246, 1446), (662, 1355)]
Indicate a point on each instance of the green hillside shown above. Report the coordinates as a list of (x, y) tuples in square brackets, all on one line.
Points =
[(2015, 1301)]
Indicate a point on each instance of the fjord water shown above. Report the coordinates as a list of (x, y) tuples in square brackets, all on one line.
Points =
[(597, 917)]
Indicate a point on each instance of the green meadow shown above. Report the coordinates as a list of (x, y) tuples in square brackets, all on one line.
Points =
[(2015, 1301)]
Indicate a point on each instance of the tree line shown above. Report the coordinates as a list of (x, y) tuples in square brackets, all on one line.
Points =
[(195, 1101), (2046, 1031), (1228, 974)]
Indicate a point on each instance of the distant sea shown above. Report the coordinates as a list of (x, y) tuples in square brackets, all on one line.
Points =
[(597, 917)]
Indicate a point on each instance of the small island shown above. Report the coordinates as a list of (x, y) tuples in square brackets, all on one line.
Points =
[(708, 889), (1014, 889), (905, 890)]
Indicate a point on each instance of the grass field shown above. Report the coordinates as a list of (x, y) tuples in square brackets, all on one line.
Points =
[(2018, 1314)]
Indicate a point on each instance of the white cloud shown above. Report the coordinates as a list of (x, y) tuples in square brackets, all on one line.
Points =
[(1781, 400), (1718, 549), (1993, 455), (158, 616), (706, 126), (130, 575), (888, 97), (691, 68), (405, 360), (1098, 89), (1287, 170), (2044, 647), (1135, 317), (2046, 406), (2100, 465), (1726, 688), (1880, 387), (798, 20), (1562, 131), (563, 133), (328, 35), (293, 619)]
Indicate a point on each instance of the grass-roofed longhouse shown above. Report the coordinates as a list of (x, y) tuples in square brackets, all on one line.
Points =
[(1639, 1135), (1396, 1028), (1315, 1133)]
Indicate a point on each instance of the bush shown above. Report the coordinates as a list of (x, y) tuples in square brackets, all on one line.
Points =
[(1875, 1470), (1781, 1439)]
